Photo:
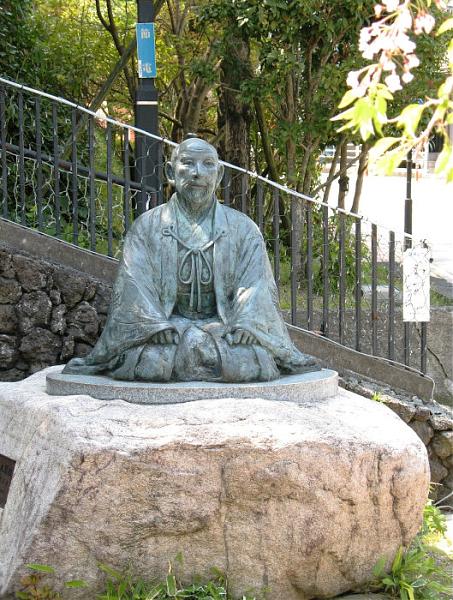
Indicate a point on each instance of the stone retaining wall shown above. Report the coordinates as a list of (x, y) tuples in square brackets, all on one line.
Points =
[(50, 313)]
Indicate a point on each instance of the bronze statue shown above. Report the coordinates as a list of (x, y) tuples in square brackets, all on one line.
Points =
[(195, 298)]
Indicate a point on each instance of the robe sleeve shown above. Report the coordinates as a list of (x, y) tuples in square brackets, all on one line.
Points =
[(255, 304), (136, 311)]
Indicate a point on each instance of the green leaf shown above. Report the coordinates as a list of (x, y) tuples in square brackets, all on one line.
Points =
[(171, 585), (349, 97), (445, 26), (379, 567), (410, 118), (386, 165), (444, 157), (381, 146), (110, 571), (345, 115), (450, 175), (40, 568), (76, 583), (366, 129)]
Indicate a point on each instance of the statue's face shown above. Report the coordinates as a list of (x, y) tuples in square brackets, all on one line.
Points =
[(197, 172)]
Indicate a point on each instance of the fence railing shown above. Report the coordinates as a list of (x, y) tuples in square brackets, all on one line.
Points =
[(74, 174)]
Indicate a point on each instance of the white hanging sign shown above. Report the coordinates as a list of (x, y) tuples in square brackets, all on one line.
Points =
[(416, 285)]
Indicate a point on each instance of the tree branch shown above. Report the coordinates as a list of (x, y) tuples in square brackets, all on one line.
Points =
[(265, 140), (338, 174), (101, 17)]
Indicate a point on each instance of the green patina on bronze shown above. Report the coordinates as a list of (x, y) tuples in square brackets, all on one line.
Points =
[(195, 298)]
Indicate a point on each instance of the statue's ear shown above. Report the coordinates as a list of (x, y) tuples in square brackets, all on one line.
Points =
[(220, 171), (170, 173)]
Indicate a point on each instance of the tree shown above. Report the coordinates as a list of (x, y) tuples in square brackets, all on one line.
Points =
[(389, 40)]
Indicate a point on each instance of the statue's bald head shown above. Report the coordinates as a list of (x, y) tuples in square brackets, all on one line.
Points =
[(195, 171), (195, 144)]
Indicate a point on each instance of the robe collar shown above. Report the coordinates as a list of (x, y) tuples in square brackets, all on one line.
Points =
[(221, 258)]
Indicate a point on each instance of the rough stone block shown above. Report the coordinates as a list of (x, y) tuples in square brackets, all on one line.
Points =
[(404, 410), (71, 285), (55, 297), (10, 291), (83, 322), (6, 263), (441, 422), (8, 351), (424, 430), (422, 413), (11, 375), (34, 310), (58, 320), (40, 346), (301, 498), (8, 318), (32, 274), (443, 444), (102, 299), (438, 471)]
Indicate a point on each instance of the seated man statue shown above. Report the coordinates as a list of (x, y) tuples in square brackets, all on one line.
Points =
[(195, 298)]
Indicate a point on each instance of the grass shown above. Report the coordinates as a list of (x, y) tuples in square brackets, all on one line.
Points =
[(422, 572)]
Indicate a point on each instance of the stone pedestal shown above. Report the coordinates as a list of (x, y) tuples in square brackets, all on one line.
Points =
[(301, 498), (314, 385)]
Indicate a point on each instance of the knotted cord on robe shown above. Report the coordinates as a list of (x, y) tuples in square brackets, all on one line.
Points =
[(197, 257)]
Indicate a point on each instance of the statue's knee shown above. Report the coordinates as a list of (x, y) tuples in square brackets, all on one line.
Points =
[(196, 356), (193, 338)]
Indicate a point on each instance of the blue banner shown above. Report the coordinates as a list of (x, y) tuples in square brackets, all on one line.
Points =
[(146, 50)]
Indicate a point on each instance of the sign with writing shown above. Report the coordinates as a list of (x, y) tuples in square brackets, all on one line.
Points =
[(416, 270), (146, 50), (6, 476)]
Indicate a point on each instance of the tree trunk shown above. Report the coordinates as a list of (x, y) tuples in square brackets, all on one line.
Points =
[(236, 114), (330, 176), (363, 165), (343, 182)]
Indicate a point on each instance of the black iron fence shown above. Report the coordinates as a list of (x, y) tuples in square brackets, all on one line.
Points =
[(74, 174)]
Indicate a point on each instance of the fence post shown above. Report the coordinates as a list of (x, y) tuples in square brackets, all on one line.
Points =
[(147, 150)]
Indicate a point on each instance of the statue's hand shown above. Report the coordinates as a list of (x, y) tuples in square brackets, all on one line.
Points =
[(240, 336), (167, 336)]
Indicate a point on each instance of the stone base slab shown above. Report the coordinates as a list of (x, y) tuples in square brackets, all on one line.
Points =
[(299, 498), (314, 385)]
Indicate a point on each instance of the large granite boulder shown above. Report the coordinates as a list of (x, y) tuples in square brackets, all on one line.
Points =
[(299, 498)]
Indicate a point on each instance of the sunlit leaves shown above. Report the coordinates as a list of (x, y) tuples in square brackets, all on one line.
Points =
[(410, 118), (381, 146), (367, 115), (445, 26), (367, 110), (444, 163)]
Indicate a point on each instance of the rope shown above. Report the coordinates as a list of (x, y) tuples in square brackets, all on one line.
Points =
[(197, 257)]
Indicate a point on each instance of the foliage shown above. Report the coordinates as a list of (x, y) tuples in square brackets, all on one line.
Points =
[(414, 575), (434, 523), (33, 586), (421, 572), (121, 585), (389, 42), (20, 47)]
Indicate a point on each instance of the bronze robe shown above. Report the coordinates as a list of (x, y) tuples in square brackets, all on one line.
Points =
[(145, 293)]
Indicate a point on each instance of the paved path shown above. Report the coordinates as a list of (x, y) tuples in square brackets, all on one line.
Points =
[(383, 202)]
